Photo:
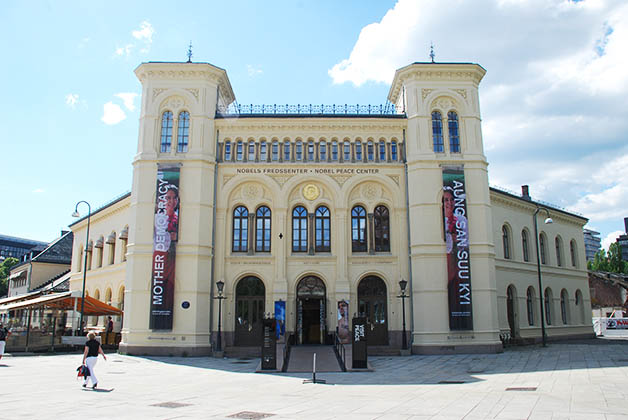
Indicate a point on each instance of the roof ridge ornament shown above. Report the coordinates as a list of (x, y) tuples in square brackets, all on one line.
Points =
[(190, 52), (432, 55)]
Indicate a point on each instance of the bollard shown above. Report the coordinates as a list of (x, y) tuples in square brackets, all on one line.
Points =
[(314, 380)]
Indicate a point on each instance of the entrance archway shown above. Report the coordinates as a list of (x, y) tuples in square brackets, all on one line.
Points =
[(511, 310), (311, 320), (372, 296), (249, 312)]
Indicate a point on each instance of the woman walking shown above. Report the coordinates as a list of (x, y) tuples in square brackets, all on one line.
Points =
[(90, 357)]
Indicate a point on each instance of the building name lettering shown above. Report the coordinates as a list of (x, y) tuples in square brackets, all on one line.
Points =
[(308, 171)]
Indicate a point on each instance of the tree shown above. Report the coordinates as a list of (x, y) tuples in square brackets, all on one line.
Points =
[(611, 262), (5, 269)]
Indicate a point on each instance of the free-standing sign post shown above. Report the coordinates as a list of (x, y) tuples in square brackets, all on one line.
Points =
[(269, 345), (358, 340)]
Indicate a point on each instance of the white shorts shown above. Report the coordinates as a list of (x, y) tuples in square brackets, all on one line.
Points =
[(2, 344)]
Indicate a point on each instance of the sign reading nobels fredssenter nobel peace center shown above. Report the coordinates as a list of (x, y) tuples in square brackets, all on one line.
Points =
[(320, 211)]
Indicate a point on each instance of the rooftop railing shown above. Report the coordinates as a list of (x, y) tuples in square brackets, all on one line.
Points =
[(235, 109)]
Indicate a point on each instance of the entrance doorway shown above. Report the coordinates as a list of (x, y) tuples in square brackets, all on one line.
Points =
[(311, 320), (250, 298), (372, 305)]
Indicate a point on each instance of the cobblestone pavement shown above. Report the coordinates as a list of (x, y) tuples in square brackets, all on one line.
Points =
[(587, 380)]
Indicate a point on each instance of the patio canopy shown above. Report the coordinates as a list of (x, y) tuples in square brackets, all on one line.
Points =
[(64, 301)]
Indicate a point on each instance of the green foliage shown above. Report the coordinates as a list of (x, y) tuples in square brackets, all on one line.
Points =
[(5, 269), (610, 262)]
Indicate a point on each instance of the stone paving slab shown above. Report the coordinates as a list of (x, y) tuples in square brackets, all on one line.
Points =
[(411, 387)]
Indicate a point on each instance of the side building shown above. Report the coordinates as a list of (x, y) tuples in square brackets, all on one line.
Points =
[(323, 211)]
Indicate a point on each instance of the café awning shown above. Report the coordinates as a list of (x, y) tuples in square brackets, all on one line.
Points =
[(64, 301)]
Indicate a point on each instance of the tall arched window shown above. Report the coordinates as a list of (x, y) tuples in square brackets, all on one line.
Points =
[(263, 151), (564, 302), (240, 229), (322, 151), (299, 229), (346, 154), (542, 248), (382, 229), (275, 151), (454, 136), (548, 306), (559, 251), (323, 230), (370, 151), (166, 131), (262, 229), (506, 242), (382, 151), (530, 305), (393, 151), (437, 132), (227, 151), (251, 151), (298, 155), (239, 151), (183, 133), (286, 151), (572, 252), (358, 229), (310, 151), (358, 151), (524, 244), (334, 150)]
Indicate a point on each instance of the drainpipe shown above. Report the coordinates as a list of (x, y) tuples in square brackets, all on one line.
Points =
[(410, 282)]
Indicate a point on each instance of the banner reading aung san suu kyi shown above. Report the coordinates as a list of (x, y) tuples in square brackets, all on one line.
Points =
[(456, 226), (165, 236)]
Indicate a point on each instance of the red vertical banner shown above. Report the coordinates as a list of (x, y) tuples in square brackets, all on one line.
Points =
[(165, 237), (456, 227)]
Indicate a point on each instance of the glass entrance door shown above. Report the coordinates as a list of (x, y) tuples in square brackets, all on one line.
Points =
[(250, 297), (372, 305), (311, 320)]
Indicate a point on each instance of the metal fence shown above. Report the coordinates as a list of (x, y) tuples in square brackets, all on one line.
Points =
[(236, 109)]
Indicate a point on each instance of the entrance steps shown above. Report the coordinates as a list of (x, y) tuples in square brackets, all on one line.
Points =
[(301, 359), (240, 351)]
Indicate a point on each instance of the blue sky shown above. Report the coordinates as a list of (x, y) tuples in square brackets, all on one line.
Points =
[(553, 100)]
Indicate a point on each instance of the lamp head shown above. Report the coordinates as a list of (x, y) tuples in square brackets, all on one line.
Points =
[(220, 285), (402, 285), (549, 221), (76, 214)]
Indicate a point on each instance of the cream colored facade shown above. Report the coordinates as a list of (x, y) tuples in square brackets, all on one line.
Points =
[(404, 176)]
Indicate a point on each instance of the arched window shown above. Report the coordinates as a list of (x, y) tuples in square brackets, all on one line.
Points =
[(437, 132), (347, 151), (524, 244), (454, 136), (382, 151), (310, 151), (370, 151), (166, 131), (323, 230), (299, 151), (559, 251), (239, 151), (263, 152), (564, 302), (358, 151), (240, 229), (262, 229), (286, 151), (227, 151), (548, 306), (251, 152), (393, 151), (382, 229), (506, 242), (299, 229), (334, 151), (322, 151), (111, 241), (358, 229), (275, 151), (542, 248), (530, 305), (183, 133), (579, 307), (572, 252)]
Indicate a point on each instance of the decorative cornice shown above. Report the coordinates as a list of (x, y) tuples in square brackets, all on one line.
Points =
[(331, 127)]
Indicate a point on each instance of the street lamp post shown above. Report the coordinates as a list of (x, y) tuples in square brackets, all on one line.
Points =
[(548, 220), (402, 285), (89, 214), (220, 285)]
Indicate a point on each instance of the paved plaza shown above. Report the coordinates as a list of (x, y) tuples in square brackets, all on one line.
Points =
[(586, 380)]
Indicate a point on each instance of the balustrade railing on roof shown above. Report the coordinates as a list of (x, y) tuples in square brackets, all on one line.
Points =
[(235, 109)]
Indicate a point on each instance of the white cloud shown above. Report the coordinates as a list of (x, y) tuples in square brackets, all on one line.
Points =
[(145, 35), (71, 99), (553, 99), (124, 51), (253, 71), (610, 238), (112, 114), (127, 99), (83, 42), (38, 190)]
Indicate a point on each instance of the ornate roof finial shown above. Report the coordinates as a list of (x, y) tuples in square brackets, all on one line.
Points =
[(432, 55), (190, 53)]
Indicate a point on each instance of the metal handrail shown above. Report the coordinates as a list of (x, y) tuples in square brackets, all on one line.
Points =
[(339, 348), (286, 353)]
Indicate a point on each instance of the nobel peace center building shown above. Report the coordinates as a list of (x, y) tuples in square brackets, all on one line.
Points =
[(316, 214)]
